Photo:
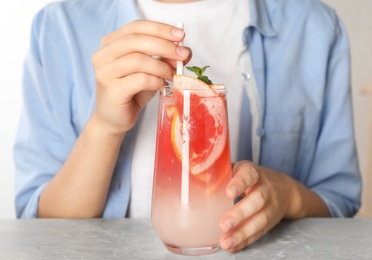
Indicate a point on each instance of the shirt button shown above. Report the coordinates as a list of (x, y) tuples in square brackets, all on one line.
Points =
[(246, 76), (260, 132)]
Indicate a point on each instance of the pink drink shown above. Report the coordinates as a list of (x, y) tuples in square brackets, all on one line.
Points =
[(187, 205)]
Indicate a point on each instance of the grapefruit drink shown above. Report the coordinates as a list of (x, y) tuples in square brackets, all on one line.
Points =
[(192, 166)]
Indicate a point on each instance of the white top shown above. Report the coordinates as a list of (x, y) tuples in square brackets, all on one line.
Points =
[(214, 32)]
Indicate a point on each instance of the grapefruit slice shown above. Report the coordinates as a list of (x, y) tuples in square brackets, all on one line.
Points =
[(207, 123)]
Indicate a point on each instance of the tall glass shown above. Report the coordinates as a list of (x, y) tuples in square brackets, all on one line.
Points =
[(192, 169)]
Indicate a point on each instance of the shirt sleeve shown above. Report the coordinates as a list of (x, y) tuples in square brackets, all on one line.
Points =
[(335, 175), (40, 145)]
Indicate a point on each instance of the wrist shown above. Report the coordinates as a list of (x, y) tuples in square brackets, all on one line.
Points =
[(295, 205), (304, 202), (105, 129)]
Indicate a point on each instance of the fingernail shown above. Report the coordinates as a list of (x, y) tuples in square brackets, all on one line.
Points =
[(228, 224), (182, 52), (234, 191), (178, 33), (228, 243)]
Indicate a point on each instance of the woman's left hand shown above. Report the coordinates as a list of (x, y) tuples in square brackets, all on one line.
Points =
[(268, 198)]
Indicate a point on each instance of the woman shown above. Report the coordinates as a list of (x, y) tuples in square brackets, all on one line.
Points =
[(85, 144)]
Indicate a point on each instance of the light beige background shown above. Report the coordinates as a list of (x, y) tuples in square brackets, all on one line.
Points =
[(15, 22)]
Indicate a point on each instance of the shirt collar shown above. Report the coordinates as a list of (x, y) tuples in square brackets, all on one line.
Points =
[(260, 18)]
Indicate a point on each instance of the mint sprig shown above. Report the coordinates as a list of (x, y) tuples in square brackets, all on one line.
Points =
[(199, 73)]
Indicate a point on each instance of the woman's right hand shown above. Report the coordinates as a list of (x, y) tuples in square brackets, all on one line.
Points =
[(127, 74)]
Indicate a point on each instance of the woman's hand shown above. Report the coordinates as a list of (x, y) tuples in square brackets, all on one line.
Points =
[(269, 196), (126, 77), (127, 74)]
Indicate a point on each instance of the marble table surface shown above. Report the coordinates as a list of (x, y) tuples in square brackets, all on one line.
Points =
[(135, 239)]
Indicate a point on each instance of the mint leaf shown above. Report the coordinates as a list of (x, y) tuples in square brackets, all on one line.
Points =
[(199, 73), (203, 69), (196, 70), (205, 79)]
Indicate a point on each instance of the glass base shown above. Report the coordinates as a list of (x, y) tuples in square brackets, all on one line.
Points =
[(192, 250)]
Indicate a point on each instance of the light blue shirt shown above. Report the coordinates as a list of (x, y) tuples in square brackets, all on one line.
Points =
[(301, 109)]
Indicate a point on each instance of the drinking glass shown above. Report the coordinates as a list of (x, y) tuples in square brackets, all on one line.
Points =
[(192, 169)]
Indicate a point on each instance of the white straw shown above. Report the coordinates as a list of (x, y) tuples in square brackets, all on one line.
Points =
[(179, 62), (185, 148), (185, 136)]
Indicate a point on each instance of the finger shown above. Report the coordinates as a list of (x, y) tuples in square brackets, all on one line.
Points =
[(146, 44), (247, 242), (245, 175), (248, 232), (245, 208), (143, 98), (161, 30), (173, 63), (123, 90), (139, 82), (136, 63)]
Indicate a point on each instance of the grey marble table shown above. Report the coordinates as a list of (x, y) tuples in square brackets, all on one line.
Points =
[(135, 239)]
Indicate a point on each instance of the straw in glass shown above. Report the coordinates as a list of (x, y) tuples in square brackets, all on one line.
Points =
[(185, 136)]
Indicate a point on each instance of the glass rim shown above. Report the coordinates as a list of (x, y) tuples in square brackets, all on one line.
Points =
[(216, 87)]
